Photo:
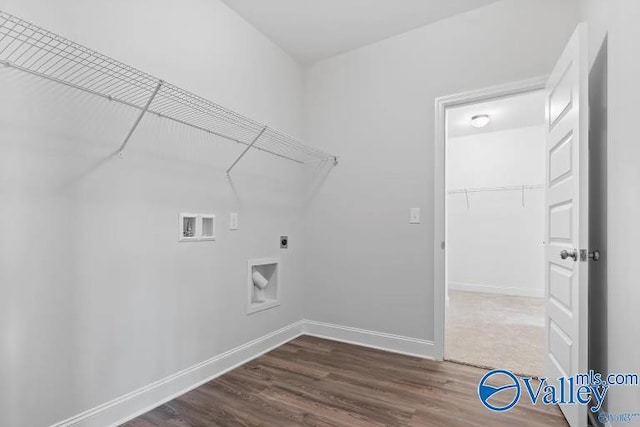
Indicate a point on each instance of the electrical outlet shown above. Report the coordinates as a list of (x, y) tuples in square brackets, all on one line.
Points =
[(233, 221)]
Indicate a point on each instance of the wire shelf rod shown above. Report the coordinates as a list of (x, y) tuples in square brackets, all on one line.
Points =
[(42, 53), (504, 188), (203, 129)]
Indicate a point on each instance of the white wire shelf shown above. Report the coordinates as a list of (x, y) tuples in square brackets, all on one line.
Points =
[(505, 188), (27, 47), (521, 188)]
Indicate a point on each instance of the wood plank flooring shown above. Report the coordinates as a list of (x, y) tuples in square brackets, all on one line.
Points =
[(314, 382)]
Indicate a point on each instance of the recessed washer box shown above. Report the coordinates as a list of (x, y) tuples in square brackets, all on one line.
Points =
[(208, 227), (196, 227), (268, 297), (188, 227)]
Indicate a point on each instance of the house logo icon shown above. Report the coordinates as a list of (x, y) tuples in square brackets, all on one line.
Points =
[(503, 384)]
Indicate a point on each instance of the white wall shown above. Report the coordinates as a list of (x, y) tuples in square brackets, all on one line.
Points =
[(98, 298), (374, 107), (496, 244), (620, 19)]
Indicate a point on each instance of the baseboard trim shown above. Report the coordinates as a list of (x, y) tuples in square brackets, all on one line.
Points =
[(137, 402), (379, 340), (475, 287)]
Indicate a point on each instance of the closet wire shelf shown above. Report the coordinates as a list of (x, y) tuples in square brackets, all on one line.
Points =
[(521, 188), (504, 188), (29, 48)]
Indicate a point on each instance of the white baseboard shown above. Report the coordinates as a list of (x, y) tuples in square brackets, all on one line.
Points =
[(144, 399), (379, 340), (501, 290), (137, 402)]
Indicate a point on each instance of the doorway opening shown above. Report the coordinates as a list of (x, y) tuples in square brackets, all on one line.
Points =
[(494, 179)]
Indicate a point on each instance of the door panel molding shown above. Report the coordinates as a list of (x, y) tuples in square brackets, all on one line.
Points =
[(567, 196)]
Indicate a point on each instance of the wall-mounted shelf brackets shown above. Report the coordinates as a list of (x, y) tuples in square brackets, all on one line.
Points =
[(137, 122), (39, 52), (247, 149)]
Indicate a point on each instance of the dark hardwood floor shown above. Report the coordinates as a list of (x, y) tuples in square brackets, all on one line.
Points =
[(315, 382)]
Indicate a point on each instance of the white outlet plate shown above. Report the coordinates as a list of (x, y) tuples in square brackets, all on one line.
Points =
[(233, 221)]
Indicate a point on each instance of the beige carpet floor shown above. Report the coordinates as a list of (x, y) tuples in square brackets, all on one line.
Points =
[(495, 331)]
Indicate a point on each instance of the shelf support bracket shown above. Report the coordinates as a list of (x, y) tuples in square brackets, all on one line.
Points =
[(247, 149), (140, 116)]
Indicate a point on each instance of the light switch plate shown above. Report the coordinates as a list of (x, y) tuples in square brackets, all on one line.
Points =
[(233, 221), (414, 216)]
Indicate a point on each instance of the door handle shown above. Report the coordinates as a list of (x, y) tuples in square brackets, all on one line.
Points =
[(566, 254)]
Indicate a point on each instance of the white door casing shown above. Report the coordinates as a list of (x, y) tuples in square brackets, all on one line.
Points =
[(442, 104), (567, 218)]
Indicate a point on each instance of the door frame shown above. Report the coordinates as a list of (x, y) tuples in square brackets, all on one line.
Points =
[(440, 187)]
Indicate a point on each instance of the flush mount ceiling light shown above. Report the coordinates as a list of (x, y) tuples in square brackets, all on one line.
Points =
[(480, 120)]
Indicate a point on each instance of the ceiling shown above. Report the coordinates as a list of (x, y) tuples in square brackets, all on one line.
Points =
[(312, 30), (505, 113)]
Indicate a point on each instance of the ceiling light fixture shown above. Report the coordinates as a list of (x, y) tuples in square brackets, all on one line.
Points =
[(480, 120)]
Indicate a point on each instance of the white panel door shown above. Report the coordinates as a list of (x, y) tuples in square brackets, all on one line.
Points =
[(567, 218)]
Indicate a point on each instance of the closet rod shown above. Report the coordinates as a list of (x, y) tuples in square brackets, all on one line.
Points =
[(505, 188)]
